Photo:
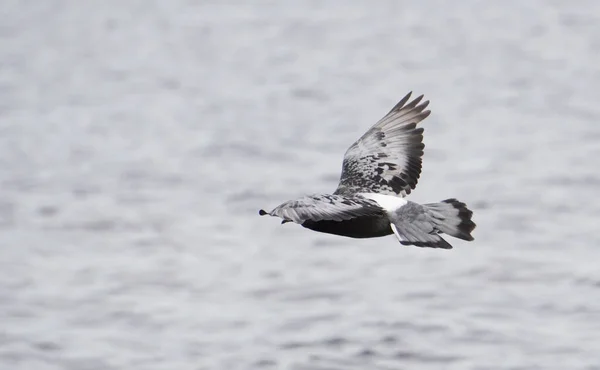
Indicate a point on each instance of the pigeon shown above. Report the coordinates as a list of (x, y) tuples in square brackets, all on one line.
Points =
[(378, 171)]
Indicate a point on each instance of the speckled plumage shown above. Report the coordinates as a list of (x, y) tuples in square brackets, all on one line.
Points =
[(387, 158), (378, 169), (321, 207)]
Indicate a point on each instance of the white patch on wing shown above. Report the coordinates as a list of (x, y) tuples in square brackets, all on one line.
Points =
[(395, 230), (388, 202)]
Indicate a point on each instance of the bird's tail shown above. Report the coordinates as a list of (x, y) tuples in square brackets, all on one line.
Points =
[(420, 225), (451, 217)]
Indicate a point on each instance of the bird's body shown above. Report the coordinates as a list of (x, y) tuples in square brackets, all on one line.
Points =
[(360, 227), (378, 171), (370, 220)]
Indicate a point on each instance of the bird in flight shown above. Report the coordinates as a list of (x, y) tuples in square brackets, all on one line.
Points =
[(379, 170)]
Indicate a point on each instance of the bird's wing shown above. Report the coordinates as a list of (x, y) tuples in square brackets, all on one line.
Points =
[(412, 225), (409, 234), (387, 158), (325, 207)]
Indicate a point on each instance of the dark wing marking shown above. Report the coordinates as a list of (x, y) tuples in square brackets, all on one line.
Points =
[(325, 207), (387, 158)]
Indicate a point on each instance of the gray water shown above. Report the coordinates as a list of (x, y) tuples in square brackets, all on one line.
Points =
[(138, 139)]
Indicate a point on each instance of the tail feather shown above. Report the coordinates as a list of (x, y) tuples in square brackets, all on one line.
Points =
[(452, 217), (421, 225)]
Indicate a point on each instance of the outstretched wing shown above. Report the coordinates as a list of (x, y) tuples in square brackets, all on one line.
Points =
[(387, 158), (325, 207)]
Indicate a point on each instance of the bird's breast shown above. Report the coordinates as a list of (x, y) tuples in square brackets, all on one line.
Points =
[(359, 227)]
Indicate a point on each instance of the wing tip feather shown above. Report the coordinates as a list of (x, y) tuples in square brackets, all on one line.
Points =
[(401, 103)]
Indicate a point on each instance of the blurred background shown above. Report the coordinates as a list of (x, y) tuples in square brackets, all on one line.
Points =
[(138, 139)]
